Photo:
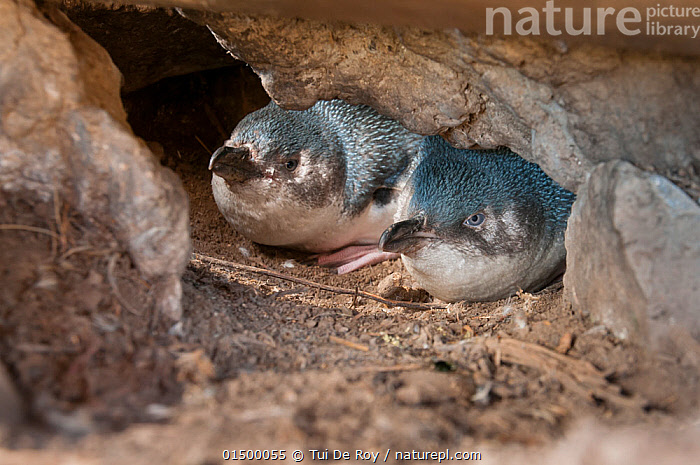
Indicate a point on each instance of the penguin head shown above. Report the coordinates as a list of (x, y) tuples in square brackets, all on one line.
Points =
[(479, 225), (282, 153), (468, 201)]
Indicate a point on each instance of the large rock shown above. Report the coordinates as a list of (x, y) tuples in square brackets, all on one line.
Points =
[(633, 254), (563, 107), (63, 134), (472, 17)]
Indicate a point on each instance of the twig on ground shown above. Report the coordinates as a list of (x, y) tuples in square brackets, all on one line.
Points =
[(211, 114), (392, 368), (44, 349), (60, 224), (346, 343), (202, 144), (24, 227), (323, 287), (111, 265), (57, 219)]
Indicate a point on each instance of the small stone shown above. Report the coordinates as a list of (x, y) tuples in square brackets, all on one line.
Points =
[(520, 319), (94, 278), (48, 279), (391, 287), (325, 322), (565, 343), (159, 412), (245, 252), (177, 329)]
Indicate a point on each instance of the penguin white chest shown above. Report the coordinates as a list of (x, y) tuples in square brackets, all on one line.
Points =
[(275, 217)]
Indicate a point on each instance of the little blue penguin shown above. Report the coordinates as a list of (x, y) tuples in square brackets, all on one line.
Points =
[(317, 180), (478, 225)]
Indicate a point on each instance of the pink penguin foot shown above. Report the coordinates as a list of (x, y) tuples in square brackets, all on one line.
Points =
[(354, 257)]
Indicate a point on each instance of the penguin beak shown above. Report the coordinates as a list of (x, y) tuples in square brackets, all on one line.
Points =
[(234, 164), (406, 236)]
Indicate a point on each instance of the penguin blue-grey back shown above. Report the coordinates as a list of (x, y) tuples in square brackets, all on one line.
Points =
[(315, 180), (479, 224)]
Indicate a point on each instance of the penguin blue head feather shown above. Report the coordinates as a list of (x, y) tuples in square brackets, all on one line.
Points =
[(451, 185)]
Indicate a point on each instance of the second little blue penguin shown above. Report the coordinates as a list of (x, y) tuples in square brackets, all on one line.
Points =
[(478, 225), (315, 180)]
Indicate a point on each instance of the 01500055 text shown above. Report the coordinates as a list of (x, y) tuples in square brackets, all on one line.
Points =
[(257, 454)]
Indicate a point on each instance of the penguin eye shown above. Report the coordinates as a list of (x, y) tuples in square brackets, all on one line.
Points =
[(291, 165), (475, 220)]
